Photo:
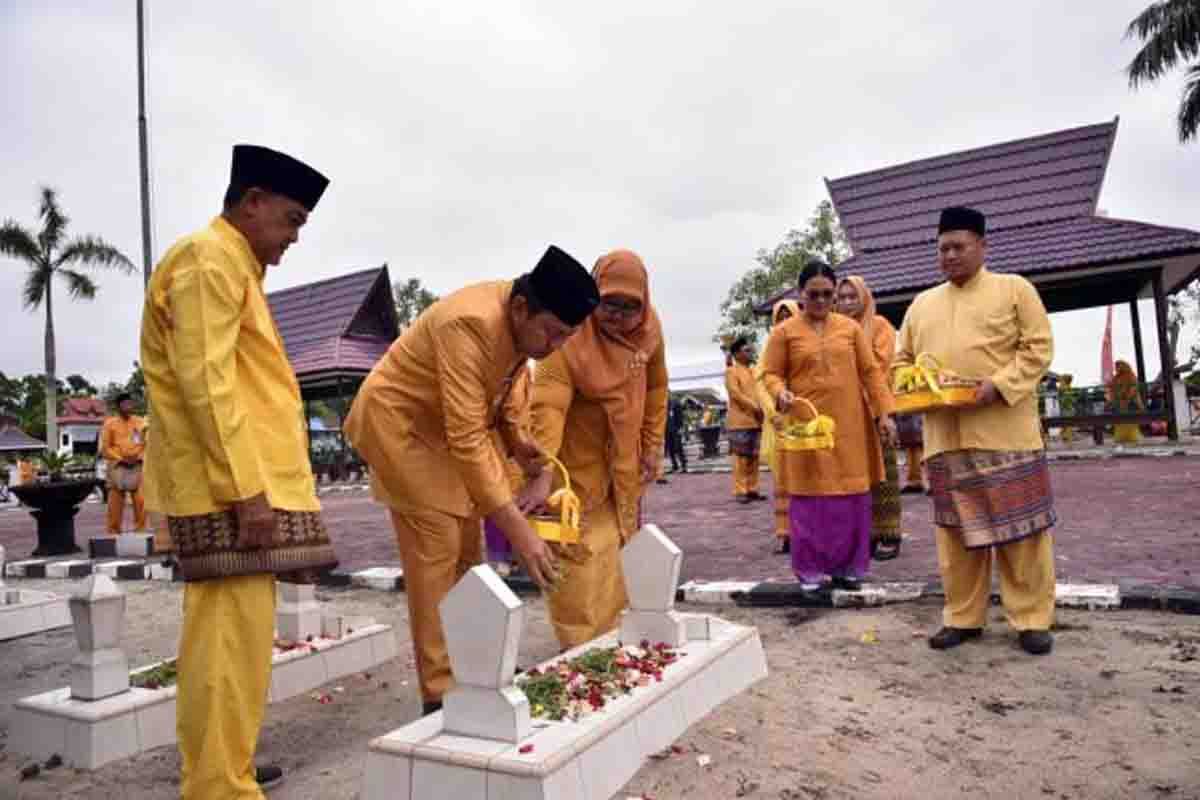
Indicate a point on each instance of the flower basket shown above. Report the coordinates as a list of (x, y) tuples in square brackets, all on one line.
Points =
[(565, 528), (926, 385), (814, 434)]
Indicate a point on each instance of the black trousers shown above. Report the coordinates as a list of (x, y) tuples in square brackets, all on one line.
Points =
[(674, 446)]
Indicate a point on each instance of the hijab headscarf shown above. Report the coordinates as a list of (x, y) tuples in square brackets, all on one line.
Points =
[(610, 369), (866, 300), (791, 305)]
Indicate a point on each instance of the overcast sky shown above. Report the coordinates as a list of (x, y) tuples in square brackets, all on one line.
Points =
[(462, 137)]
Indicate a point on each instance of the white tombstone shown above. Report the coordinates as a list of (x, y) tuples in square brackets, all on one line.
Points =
[(297, 612), (482, 620), (651, 563), (97, 611)]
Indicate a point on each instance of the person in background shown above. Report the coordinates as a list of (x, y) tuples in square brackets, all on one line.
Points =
[(987, 462), (123, 445), (1125, 397), (781, 313), (856, 301), (827, 359), (744, 421), (228, 463), (600, 407), (674, 445)]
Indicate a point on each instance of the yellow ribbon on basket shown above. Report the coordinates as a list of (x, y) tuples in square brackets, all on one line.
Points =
[(814, 434), (566, 528), (921, 375)]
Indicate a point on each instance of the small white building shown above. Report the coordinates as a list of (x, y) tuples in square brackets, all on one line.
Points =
[(79, 425)]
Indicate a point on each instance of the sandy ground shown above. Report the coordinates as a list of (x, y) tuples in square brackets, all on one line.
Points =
[(1113, 713)]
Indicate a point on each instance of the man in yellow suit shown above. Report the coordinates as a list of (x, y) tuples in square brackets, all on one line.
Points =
[(228, 462), (744, 421), (424, 421), (122, 445), (986, 463)]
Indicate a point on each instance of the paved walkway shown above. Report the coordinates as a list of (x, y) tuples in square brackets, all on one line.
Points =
[(1120, 518)]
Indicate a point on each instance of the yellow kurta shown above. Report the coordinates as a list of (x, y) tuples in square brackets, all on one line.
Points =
[(424, 416), (993, 327), (837, 371), (228, 426), (430, 419), (743, 398), (769, 451), (123, 440), (228, 419), (590, 599)]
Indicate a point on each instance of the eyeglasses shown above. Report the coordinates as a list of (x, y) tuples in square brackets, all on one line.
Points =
[(618, 308), (824, 295)]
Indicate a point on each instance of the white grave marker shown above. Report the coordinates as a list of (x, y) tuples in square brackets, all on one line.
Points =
[(297, 612), (482, 620), (651, 563), (97, 611)]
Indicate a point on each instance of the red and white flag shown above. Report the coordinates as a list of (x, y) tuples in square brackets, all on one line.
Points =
[(1106, 356)]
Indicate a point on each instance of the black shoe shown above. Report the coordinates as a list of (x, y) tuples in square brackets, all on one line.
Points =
[(756, 496), (846, 584), (268, 777), (948, 637), (430, 707), (662, 481), (913, 488), (743, 498), (1036, 643), (783, 547)]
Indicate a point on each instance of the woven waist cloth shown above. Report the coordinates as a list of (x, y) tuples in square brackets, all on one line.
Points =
[(206, 547), (991, 497)]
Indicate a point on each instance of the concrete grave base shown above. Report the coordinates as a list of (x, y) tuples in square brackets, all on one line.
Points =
[(586, 760), (25, 611), (89, 735)]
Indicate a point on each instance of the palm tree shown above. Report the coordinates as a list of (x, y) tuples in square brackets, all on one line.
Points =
[(1170, 32), (49, 253)]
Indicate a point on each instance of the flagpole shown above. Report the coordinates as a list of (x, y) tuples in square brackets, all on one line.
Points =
[(143, 154)]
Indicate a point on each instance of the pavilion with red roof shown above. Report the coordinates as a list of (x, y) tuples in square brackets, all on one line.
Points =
[(1040, 196)]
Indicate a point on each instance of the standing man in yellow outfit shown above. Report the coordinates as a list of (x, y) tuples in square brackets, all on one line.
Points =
[(228, 462), (744, 421), (122, 445), (424, 420), (987, 463)]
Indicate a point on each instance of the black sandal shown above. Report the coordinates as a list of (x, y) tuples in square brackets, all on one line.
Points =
[(885, 551)]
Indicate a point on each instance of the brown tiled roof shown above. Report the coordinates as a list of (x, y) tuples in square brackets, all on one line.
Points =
[(15, 439), (321, 322), (82, 411), (1039, 195)]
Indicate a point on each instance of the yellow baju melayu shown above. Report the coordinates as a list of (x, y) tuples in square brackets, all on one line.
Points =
[(600, 406), (426, 420), (993, 327), (771, 418), (744, 424), (228, 426), (123, 441)]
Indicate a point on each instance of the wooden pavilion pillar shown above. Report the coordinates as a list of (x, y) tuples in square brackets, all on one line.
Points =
[(1138, 352), (1164, 353)]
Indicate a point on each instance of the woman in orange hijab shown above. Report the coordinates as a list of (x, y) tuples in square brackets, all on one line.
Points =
[(600, 406), (856, 301)]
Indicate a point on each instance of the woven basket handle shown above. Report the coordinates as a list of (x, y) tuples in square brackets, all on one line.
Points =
[(809, 405)]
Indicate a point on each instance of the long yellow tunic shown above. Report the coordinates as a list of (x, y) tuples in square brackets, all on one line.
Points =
[(228, 418), (425, 417), (837, 371), (576, 429), (993, 327), (122, 439), (743, 398)]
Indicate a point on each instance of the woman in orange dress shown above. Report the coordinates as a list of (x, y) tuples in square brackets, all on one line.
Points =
[(827, 359), (856, 301)]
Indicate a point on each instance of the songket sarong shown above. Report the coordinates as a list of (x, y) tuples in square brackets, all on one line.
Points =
[(885, 502), (991, 497), (745, 442), (910, 428), (207, 547), (831, 535)]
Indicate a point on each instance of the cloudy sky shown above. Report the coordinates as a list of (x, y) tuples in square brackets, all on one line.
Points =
[(462, 137)]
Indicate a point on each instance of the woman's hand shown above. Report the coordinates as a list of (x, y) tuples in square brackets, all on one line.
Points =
[(535, 492), (887, 431), (784, 402)]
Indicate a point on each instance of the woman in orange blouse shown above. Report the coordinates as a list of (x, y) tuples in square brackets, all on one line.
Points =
[(827, 359), (856, 301)]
